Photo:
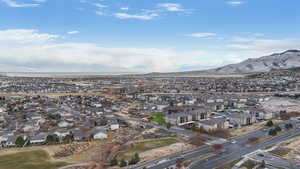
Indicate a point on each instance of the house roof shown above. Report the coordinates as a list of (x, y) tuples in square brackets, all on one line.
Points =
[(213, 121)]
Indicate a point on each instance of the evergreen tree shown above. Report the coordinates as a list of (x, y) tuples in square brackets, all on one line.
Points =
[(288, 126), (270, 123), (52, 139), (123, 163), (113, 162), (277, 128), (263, 164), (136, 157), (168, 125), (68, 138), (20, 141), (273, 132)]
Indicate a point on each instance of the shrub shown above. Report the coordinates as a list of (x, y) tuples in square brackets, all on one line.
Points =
[(135, 159), (123, 163), (270, 123), (277, 128), (288, 126), (113, 162), (52, 139), (273, 132), (253, 139)]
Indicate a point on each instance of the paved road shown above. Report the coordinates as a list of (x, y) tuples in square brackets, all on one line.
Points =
[(224, 158), (232, 151)]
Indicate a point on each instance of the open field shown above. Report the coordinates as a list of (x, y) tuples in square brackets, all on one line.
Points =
[(253, 127), (159, 118), (162, 151), (281, 104), (145, 146), (29, 160), (87, 155)]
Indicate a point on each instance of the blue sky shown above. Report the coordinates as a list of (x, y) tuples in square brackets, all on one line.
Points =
[(142, 35)]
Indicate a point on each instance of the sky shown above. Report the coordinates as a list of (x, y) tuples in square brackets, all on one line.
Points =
[(142, 35)]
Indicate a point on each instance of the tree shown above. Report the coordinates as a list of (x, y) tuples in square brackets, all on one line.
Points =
[(20, 141), (288, 126), (168, 125), (277, 128), (52, 139), (123, 163), (284, 115), (135, 159), (197, 140), (218, 147), (113, 162), (68, 138), (263, 164), (270, 123), (273, 132), (253, 139)]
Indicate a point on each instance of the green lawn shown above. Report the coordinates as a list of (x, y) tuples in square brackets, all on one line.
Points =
[(28, 160), (144, 146), (159, 118)]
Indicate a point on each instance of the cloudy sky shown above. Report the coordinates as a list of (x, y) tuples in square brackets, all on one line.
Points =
[(142, 35)]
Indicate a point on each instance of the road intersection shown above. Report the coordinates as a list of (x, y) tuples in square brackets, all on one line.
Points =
[(232, 151)]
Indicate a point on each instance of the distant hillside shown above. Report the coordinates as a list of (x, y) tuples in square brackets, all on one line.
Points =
[(285, 60), (288, 60)]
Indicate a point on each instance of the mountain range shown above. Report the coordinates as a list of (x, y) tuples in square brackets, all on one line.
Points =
[(285, 60), (289, 59)]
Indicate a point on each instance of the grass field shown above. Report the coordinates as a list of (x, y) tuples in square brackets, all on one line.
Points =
[(159, 118), (28, 160), (144, 146)]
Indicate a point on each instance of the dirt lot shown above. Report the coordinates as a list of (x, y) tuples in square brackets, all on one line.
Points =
[(294, 147), (256, 126), (162, 151), (86, 155), (276, 104), (143, 146)]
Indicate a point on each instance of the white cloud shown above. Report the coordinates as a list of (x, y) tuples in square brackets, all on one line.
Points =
[(171, 7), (202, 35), (73, 32), (48, 55), (25, 36), (124, 8), (100, 13), (98, 5), (235, 3), (254, 47), (39, 1), (15, 4), (144, 16)]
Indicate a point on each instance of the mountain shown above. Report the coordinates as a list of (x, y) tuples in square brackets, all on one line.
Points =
[(285, 60), (288, 60)]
